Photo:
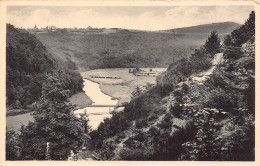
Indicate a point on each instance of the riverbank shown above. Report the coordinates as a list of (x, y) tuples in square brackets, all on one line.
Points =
[(80, 100), (120, 88)]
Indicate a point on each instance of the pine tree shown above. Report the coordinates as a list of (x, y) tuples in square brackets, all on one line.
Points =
[(212, 45), (245, 32)]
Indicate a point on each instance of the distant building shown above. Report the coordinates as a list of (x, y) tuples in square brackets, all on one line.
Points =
[(35, 28), (52, 28), (145, 72), (47, 29), (90, 29)]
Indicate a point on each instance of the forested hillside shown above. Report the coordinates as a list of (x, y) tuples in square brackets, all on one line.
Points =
[(127, 48), (202, 108), (29, 65), (39, 82)]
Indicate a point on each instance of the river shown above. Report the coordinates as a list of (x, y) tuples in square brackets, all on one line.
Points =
[(96, 114)]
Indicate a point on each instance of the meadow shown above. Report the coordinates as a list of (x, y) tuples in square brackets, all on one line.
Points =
[(15, 122), (118, 88)]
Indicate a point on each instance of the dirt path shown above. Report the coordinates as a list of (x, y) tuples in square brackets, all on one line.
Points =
[(177, 122), (203, 76), (199, 79)]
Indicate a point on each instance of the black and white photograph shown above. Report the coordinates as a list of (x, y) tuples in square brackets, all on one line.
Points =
[(129, 82)]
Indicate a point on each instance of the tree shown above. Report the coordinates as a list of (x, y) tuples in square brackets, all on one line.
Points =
[(137, 92), (54, 123), (200, 60), (212, 44), (12, 147), (245, 32), (227, 40)]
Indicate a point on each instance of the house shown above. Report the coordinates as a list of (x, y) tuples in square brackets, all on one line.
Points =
[(150, 72)]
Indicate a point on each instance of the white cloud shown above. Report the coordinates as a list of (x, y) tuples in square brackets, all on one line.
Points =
[(147, 20)]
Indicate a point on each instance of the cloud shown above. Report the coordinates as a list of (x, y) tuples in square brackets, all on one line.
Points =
[(146, 18)]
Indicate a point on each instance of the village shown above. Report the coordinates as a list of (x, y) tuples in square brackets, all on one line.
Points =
[(88, 29)]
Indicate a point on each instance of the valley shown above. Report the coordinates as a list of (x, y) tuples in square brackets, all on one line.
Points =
[(184, 94)]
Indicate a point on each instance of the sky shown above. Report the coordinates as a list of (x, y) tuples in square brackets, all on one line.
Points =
[(128, 17)]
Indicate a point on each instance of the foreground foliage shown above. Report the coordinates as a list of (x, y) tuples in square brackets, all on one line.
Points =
[(54, 123)]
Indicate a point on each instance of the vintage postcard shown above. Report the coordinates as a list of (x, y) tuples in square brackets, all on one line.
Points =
[(109, 82)]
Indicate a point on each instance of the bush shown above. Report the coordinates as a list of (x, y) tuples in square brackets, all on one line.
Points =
[(176, 110), (140, 137), (136, 154), (12, 146), (200, 60), (221, 99), (166, 122), (141, 123)]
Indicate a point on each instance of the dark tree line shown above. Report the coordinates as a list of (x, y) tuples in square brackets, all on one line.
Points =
[(243, 34)]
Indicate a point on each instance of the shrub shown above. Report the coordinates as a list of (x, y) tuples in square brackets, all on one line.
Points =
[(141, 123), (136, 154)]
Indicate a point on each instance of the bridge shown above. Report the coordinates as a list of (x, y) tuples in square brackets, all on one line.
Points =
[(101, 105)]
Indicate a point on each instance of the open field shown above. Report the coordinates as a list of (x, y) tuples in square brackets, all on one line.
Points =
[(15, 122), (118, 88)]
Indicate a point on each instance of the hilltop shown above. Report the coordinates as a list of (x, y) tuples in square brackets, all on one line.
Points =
[(222, 28), (126, 48)]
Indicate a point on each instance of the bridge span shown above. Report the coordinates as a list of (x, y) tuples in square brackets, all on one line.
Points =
[(101, 106)]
